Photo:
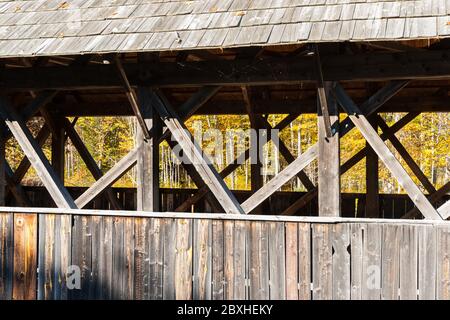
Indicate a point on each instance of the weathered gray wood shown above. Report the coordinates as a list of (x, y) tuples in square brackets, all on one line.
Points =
[(357, 248), (37, 158), (195, 156), (148, 158), (329, 178), (372, 184), (2, 163), (128, 274), (118, 253), (322, 262), (386, 155), (141, 258), (6, 255), (408, 262), (433, 198), (280, 179), (390, 264), (277, 258), (229, 271), (240, 259), (157, 240), (427, 262), (168, 292), (304, 261), (202, 261), (259, 262), (106, 258), (132, 98), (341, 262), (183, 260), (444, 210), (217, 276), (443, 263), (371, 264), (114, 174), (292, 255)]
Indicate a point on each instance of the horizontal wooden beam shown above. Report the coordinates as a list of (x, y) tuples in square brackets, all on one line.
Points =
[(216, 216), (272, 106), (430, 64)]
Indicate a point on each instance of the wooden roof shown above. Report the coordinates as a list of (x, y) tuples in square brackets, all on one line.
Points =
[(64, 27)]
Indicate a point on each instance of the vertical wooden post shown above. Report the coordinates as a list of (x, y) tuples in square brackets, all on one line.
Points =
[(148, 196), (2, 163), (329, 167), (255, 145), (372, 175)]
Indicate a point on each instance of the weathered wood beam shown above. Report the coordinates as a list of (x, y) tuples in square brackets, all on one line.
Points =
[(132, 98), (226, 107), (407, 157), (280, 179), (444, 210), (108, 179), (256, 167), (147, 173), (196, 157), (372, 177), (373, 66), (383, 152), (2, 164), (329, 178), (231, 167), (37, 158), (433, 198), (322, 95), (90, 162)]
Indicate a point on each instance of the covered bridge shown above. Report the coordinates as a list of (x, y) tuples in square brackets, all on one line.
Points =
[(163, 61)]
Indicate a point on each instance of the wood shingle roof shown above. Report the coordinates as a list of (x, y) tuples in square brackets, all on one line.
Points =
[(62, 27)]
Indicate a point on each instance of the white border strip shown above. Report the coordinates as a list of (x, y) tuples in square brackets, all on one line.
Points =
[(213, 216)]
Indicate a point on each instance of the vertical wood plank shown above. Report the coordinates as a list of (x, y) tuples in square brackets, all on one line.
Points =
[(443, 264), (46, 258), (106, 258), (183, 260), (322, 262), (169, 259), (292, 271), (240, 260), (202, 260), (128, 236), (371, 271), (6, 255), (156, 249), (118, 259), (217, 260), (304, 260), (229, 272), (259, 262), (358, 232), (341, 262), (141, 259), (427, 263), (95, 285), (25, 257), (390, 264), (408, 262), (277, 261)]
